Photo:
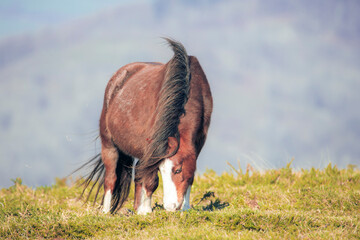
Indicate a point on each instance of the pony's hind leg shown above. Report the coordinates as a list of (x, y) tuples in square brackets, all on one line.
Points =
[(109, 157), (144, 188)]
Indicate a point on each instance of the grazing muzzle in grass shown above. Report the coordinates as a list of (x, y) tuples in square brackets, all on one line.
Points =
[(177, 186)]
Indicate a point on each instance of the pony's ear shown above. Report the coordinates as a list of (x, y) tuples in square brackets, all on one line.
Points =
[(172, 144)]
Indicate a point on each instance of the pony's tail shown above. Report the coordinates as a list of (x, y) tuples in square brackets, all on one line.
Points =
[(92, 178), (123, 181), (96, 176), (171, 106)]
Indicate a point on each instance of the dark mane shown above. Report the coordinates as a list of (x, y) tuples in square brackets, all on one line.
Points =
[(171, 106)]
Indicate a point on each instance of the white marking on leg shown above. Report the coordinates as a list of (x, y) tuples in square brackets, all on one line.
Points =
[(170, 194), (145, 203), (107, 202), (133, 169), (186, 202)]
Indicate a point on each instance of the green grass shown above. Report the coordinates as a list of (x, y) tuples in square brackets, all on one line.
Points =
[(275, 204)]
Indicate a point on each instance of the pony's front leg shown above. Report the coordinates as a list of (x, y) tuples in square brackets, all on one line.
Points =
[(186, 203), (144, 189)]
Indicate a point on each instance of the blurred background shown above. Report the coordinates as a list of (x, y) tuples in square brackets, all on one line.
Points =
[(285, 77)]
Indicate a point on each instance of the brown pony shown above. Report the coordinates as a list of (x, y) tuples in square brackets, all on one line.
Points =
[(159, 114)]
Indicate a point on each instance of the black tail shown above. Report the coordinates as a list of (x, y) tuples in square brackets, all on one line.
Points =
[(97, 176), (171, 106), (123, 181)]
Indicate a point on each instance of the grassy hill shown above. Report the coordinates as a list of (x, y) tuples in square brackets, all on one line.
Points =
[(281, 203), (284, 76)]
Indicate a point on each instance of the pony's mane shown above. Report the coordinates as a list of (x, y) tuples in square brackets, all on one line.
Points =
[(171, 106)]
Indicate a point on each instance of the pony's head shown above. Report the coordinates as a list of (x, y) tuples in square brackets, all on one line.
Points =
[(178, 176)]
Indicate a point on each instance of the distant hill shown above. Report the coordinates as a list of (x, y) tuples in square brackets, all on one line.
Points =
[(285, 78)]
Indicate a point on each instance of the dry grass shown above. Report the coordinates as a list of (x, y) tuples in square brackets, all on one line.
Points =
[(309, 204)]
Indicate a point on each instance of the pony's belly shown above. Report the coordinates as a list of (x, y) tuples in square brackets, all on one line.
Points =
[(129, 142), (130, 118)]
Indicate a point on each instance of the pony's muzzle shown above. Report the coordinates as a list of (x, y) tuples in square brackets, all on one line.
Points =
[(173, 206), (170, 207)]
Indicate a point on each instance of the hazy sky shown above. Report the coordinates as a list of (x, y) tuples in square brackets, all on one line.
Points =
[(284, 75), (22, 16)]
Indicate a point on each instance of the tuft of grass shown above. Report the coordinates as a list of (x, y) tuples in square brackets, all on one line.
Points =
[(278, 203)]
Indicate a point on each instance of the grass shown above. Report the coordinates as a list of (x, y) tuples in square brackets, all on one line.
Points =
[(278, 204)]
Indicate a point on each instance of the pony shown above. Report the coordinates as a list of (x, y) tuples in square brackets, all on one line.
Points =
[(159, 114)]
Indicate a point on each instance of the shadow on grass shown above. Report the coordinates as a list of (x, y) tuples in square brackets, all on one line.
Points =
[(216, 205), (211, 206)]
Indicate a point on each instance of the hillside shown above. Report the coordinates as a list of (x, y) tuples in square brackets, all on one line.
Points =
[(285, 79), (280, 204)]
